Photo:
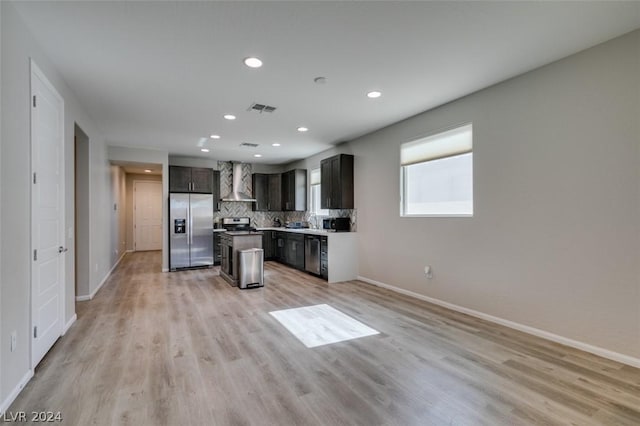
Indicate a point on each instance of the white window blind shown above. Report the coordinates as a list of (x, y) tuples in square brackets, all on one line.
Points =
[(437, 174), (314, 184), (446, 144), (315, 177)]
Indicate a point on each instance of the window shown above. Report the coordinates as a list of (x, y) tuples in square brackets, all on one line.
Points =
[(437, 174), (314, 180)]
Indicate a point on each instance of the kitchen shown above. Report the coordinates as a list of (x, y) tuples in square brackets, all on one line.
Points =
[(275, 217)]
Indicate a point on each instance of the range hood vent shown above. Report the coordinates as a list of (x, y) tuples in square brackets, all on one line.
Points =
[(237, 188)]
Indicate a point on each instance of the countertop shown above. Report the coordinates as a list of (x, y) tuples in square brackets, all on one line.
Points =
[(304, 231), (310, 231), (243, 233)]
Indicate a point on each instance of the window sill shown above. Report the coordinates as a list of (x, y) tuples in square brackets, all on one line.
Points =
[(437, 215)]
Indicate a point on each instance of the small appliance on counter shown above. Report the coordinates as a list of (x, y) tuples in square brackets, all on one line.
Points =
[(277, 223), (337, 224)]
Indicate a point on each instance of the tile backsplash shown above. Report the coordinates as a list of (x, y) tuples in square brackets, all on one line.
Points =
[(264, 219)]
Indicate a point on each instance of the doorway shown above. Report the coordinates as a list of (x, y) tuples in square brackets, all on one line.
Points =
[(47, 215), (82, 229), (147, 217)]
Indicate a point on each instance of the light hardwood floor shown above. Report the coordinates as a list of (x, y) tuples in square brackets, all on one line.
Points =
[(185, 348)]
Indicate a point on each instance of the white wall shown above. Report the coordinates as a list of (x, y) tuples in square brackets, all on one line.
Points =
[(118, 211), (212, 163), (82, 214), (18, 46), (554, 242)]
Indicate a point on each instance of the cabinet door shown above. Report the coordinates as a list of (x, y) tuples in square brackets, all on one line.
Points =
[(179, 179), (266, 244), (326, 180), (280, 249), (324, 258), (260, 191), (343, 181), (275, 193), (295, 250), (216, 190), (288, 190), (299, 254), (202, 180), (217, 248), (334, 191), (336, 177)]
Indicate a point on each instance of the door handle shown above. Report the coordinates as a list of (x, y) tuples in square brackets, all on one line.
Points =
[(62, 249)]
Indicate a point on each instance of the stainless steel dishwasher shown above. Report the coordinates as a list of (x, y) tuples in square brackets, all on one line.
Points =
[(312, 254)]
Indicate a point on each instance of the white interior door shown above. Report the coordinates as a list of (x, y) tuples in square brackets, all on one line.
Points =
[(147, 204), (47, 214)]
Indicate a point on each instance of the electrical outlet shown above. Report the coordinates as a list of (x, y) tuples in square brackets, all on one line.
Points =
[(14, 340), (428, 272)]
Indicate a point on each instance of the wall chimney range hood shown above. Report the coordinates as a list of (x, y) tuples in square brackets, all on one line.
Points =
[(237, 187)]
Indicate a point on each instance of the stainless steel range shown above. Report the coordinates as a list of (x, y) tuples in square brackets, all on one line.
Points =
[(240, 235)]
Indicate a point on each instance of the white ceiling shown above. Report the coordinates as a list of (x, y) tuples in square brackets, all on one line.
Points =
[(162, 74)]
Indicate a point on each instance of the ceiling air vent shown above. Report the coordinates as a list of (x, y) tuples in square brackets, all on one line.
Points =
[(261, 108), (249, 145)]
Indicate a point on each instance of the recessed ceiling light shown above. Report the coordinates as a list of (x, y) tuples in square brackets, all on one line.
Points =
[(253, 62), (215, 136), (275, 144), (147, 171), (302, 129), (257, 155), (229, 117), (204, 150), (374, 94)]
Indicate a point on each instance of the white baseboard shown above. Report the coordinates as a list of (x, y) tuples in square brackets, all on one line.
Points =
[(605, 353), (69, 323), (165, 269), (15, 392), (129, 251), (86, 297)]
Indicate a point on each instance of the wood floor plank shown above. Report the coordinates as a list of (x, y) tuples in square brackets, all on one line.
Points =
[(186, 348)]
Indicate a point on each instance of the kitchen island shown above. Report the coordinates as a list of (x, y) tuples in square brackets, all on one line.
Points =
[(338, 254), (231, 242)]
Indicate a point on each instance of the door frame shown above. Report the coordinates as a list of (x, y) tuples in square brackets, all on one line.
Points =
[(35, 71), (133, 212)]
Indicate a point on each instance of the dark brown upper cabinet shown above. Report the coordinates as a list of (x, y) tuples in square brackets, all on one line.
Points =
[(267, 191), (191, 179), (294, 190), (260, 185), (275, 192), (336, 182), (216, 190)]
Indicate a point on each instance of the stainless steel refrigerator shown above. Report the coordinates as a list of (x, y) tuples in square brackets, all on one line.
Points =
[(191, 230)]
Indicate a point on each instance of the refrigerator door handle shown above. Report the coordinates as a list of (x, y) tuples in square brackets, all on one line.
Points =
[(190, 230)]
